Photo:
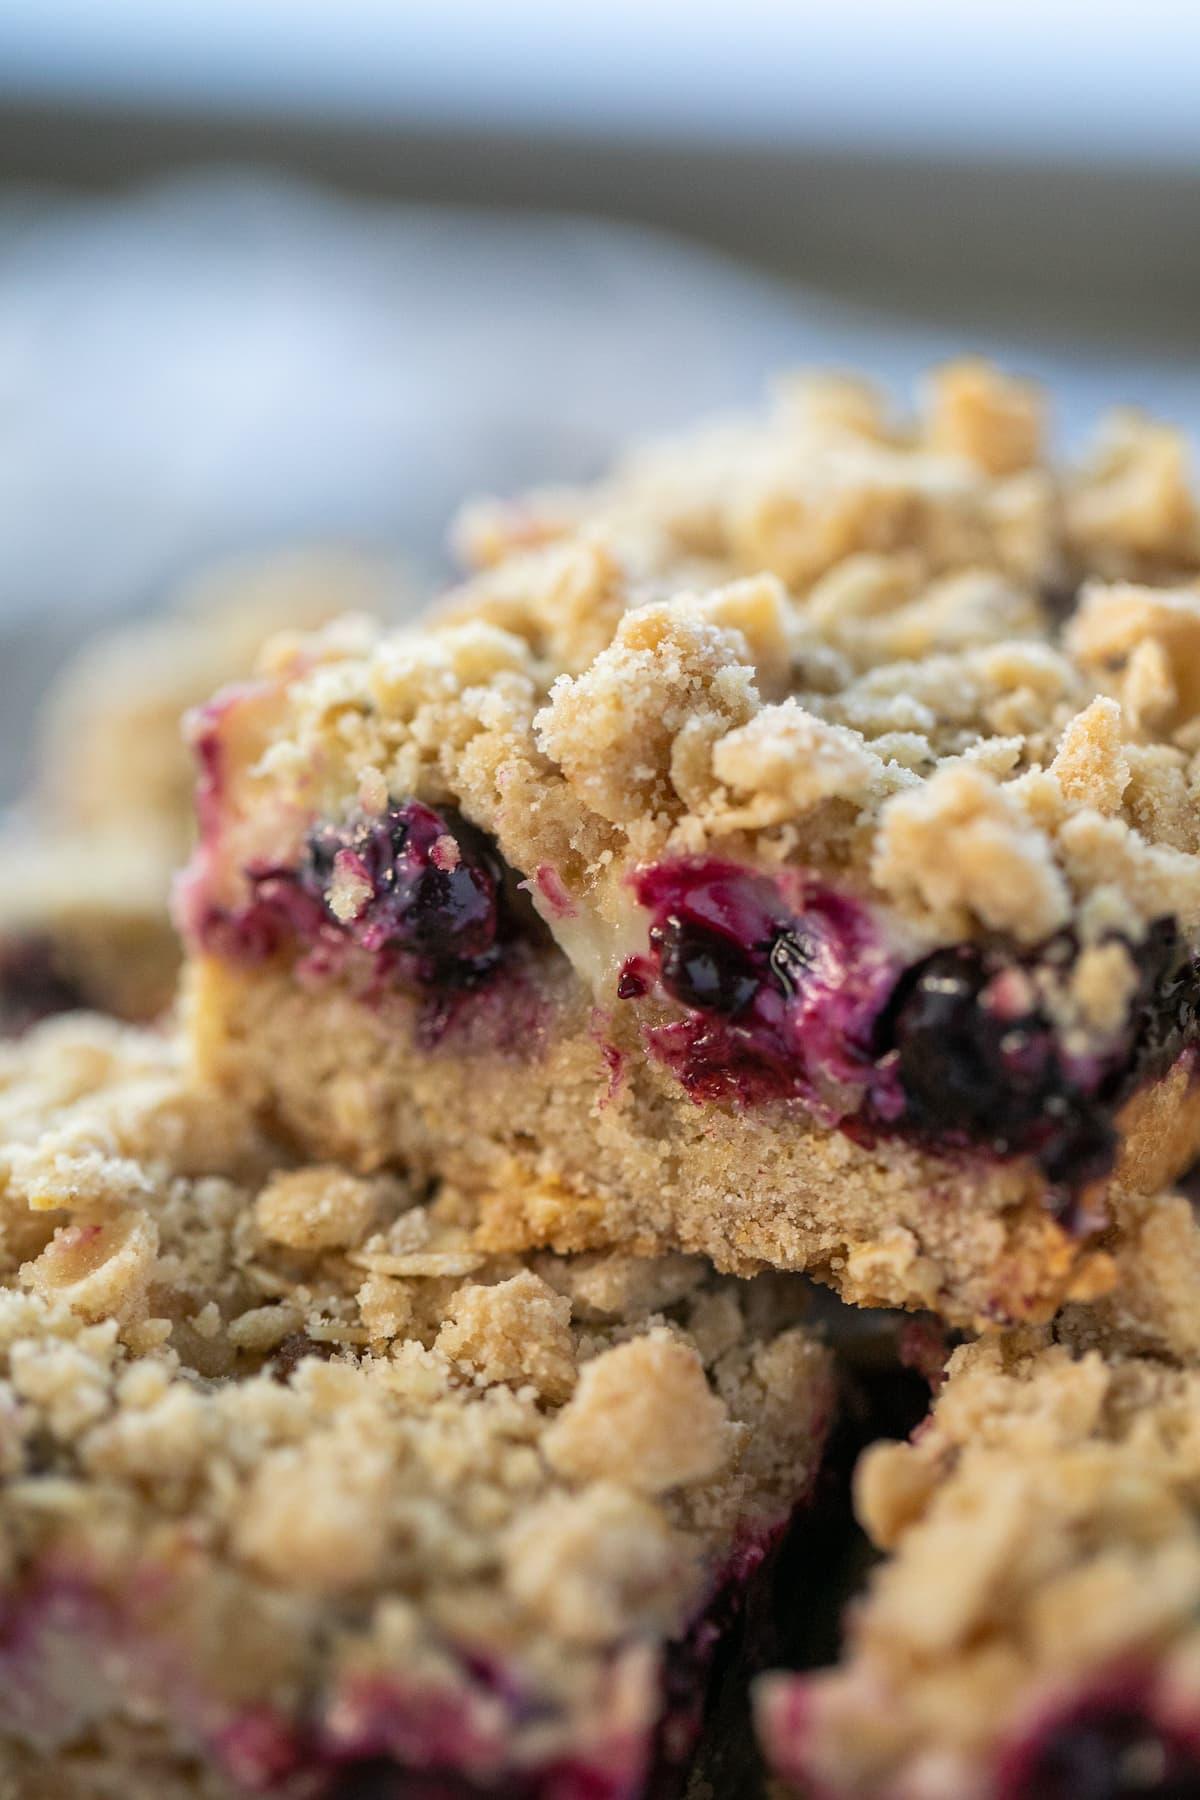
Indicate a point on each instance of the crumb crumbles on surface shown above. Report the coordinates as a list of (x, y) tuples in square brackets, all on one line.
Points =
[(296, 1477)]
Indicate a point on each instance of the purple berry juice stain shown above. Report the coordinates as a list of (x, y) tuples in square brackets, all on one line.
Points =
[(787, 993)]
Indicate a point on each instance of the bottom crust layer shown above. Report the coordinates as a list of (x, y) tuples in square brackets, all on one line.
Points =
[(611, 1151)]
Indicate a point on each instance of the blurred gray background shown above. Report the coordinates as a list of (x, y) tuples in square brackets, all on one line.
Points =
[(283, 273)]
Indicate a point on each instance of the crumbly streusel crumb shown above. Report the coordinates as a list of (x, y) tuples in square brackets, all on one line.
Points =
[(1000, 874), (672, 1432), (1144, 643), (517, 1331), (1131, 510), (991, 420), (320, 1208), (634, 735)]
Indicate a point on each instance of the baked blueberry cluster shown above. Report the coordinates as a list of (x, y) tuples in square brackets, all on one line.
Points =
[(959, 1049), (418, 889)]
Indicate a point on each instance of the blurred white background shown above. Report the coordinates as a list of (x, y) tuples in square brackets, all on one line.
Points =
[(1043, 78), (275, 271)]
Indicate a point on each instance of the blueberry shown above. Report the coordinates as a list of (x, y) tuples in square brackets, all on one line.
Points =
[(424, 893), (778, 977), (436, 890), (448, 911), (974, 1070), (715, 972), (722, 936), (703, 968), (950, 1050), (1116, 1754)]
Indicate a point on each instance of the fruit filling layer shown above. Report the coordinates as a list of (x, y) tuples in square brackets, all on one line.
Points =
[(416, 896), (788, 991), (778, 986)]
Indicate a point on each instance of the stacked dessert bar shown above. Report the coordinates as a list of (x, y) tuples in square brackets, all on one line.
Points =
[(794, 856), (778, 863)]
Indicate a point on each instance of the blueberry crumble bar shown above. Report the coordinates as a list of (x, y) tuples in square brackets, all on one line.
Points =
[(303, 1494), (789, 846), (86, 863), (1034, 1630)]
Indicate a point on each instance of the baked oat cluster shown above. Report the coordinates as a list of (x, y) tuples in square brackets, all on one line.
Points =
[(778, 859)]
